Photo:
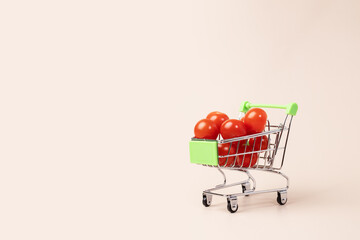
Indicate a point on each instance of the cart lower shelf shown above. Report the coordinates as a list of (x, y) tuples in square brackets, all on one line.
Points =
[(247, 190)]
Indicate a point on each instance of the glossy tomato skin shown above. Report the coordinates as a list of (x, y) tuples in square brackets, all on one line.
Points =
[(232, 128), (206, 129), (218, 118), (260, 143), (255, 120), (245, 160), (223, 149), (238, 146)]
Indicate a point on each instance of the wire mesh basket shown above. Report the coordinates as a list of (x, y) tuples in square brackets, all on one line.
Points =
[(262, 151)]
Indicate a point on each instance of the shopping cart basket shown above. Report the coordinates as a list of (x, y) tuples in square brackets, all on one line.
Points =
[(205, 152)]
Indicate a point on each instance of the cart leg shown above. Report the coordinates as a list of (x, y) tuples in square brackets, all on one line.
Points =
[(286, 177), (222, 173), (247, 187)]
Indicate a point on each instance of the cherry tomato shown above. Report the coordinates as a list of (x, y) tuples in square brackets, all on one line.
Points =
[(246, 159), (255, 120), (239, 146), (206, 129), (223, 149), (218, 118), (260, 143), (232, 128)]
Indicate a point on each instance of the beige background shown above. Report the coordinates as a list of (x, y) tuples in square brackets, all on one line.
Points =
[(98, 100)]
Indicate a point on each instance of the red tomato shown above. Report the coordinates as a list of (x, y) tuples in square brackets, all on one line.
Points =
[(206, 129), (238, 146), (255, 120), (260, 143), (242, 119), (223, 149), (246, 159), (232, 128), (218, 118)]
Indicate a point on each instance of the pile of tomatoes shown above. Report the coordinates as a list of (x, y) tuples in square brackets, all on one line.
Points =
[(217, 123)]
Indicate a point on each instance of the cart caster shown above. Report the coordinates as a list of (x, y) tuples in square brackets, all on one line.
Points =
[(245, 187), (232, 205), (281, 198), (207, 200)]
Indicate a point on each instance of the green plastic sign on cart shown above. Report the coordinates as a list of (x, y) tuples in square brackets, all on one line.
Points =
[(204, 152)]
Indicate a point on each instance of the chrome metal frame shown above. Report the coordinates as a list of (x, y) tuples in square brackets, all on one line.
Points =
[(262, 160)]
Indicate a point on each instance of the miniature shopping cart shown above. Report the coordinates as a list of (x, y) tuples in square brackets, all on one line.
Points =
[(205, 152)]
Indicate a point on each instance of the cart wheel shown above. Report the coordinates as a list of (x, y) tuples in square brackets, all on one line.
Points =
[(281, 198), (244, 188), (232, 207), (206, 200)]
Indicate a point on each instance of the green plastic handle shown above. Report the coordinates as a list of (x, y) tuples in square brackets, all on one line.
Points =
[(291, 108)]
